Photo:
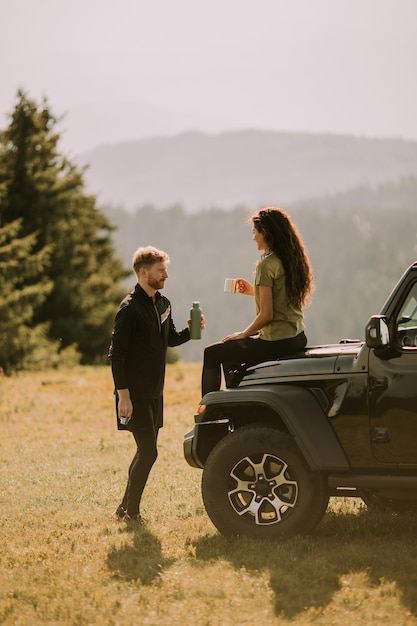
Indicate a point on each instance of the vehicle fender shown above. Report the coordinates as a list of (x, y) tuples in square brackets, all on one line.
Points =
[(302, 415)]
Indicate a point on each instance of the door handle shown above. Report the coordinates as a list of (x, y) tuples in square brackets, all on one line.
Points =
[(380, 435)]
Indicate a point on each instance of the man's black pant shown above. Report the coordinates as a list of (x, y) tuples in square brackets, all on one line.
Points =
[(148, 417)]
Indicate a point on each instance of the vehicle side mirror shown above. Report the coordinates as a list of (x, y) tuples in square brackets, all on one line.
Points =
[(377, 332)]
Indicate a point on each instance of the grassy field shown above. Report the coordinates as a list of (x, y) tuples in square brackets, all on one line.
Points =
[(64, 560)]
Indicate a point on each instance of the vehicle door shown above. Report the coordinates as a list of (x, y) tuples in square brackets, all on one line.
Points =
[(393, 387)]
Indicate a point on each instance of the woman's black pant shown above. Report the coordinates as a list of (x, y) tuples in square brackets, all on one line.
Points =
[(231, 354)]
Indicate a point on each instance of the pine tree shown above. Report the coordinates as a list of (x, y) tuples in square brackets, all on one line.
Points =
[(22, 289), (45, 191)]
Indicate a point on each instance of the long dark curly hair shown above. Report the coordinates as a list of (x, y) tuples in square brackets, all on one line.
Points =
[(282, 237)]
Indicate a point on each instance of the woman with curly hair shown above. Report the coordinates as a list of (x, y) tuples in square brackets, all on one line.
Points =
[(283, 286)]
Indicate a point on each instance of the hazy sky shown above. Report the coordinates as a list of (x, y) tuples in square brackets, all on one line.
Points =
[(125, 69)]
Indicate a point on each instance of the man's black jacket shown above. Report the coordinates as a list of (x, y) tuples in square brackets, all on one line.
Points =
[(143, 330)]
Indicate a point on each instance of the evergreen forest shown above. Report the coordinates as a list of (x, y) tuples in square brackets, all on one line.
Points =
[(65, 261), (60, 275), (359, 245)]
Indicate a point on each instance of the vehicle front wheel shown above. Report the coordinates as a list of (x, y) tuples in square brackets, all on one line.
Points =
[(257, 483)]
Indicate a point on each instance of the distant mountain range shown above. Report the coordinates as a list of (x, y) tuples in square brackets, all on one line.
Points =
[(242, 168)]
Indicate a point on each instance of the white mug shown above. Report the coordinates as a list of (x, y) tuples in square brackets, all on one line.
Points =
[(230, 285)]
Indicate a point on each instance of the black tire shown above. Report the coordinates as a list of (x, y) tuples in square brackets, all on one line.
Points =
[(257, 483)]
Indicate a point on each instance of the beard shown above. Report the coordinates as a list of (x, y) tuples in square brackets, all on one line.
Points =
[(156, 284)]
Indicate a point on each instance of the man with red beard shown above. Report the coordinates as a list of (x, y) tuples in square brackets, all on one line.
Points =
[(143, 330)]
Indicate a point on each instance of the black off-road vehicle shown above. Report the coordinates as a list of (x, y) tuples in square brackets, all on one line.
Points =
[(334, 420)]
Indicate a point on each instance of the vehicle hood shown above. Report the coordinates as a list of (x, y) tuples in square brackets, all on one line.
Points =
[(340, 358)]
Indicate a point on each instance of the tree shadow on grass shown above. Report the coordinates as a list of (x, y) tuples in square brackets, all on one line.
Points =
[(306, 571), (140, 559)]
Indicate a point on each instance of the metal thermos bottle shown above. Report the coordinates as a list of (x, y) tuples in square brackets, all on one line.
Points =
[(195, 326)]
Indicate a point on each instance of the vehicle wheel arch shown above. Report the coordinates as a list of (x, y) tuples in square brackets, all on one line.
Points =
[(295, 410)]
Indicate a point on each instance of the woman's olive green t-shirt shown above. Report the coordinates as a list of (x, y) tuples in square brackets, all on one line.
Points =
[(287, 320)]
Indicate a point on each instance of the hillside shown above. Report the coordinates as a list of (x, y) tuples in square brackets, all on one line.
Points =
[(249, 168), (359, 242)]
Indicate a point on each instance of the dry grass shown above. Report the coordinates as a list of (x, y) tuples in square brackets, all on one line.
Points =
[(65, 560)]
